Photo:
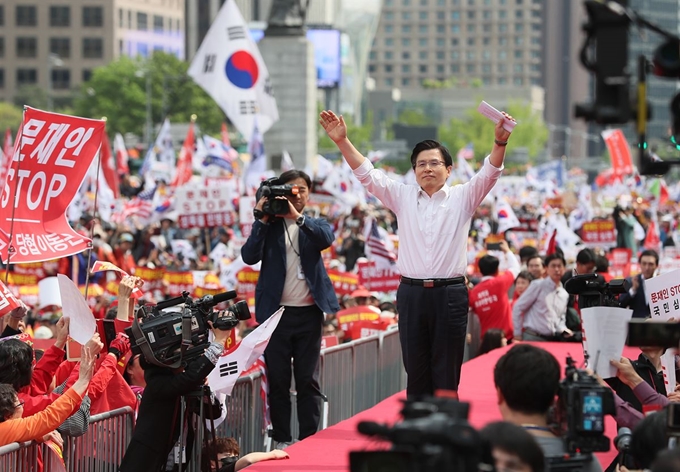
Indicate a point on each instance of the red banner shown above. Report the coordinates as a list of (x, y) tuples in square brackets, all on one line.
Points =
[(8, 301), (247, 279), (619, 151), (377, 280), (178, 282), (347, 317), (599, 233), (343, 282), (52, 154)]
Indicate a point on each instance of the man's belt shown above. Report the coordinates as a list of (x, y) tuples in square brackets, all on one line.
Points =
[(429, 283), (538, 335)]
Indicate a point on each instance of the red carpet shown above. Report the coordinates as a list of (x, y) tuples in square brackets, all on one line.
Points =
[(329, 449)]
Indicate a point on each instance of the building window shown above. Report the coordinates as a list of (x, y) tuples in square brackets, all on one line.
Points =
[(455, 55), (405, 55), (502, 81), (422, 68), (471, 41), (486, 14), (470, 68), (422, 15), (405, 82), (2, 15), (518, 68), (389, 55), (455, 15), (440, 68), (158, 23), (519, 27), (405, 28), (486, 55), (486, 40), (372, 56), (93, 16), (27, 47), (441, 29), (389, 28), (503, 41), (60, 16), (471, 15), (61, 47), (406, 15), (486, 68), (388, 68), (129, 16), (2, 46), (371, 68), (422, 42), (455, 68), (27, 16), (389, 42), (61, 79), (87, 75), (27, 76), (422, 29), (389, 82), (518, 81), (2, 78), (406, 68), (440, 42), (422, 55), (454, 42), (502, 14), (389, 16), (406, 42), (439, 55), (502, 28), (121, 18), (470, 55), (471, 28), (142, 21), (519, 54), (93, 48), (455, 29), (502, 55), (502, 68), (519, 14)]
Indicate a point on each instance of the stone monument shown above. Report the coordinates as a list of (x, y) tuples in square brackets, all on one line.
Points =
[(290, 61)]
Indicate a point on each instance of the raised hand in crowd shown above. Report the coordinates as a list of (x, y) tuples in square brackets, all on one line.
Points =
[(125, 288), (88, 357), (62, 332), (120, 345), (94, 345), (15, 320), (626, 372)]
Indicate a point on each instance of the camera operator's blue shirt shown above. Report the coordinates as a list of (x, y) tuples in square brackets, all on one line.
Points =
[(267, 243)]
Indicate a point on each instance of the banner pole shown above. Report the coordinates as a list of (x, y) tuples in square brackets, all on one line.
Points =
[(95, 216), (10, 247)]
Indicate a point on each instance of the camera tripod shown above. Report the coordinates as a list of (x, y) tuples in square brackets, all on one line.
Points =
[(195, 408)]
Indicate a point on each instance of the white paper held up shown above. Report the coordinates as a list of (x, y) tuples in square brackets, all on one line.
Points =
[(604, 336), (82, 325)]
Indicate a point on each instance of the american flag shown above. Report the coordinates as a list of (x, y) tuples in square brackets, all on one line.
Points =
[(376, 245), (467, 152), (140, 207)]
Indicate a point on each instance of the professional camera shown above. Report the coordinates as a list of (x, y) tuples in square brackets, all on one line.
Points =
[(592, 290), (581, 407), (272, 188), (433, 436), (158, 332)]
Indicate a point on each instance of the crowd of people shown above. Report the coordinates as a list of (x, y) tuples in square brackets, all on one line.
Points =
[(457, 297)]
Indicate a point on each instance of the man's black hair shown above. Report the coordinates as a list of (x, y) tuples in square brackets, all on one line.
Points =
[(8, 401), (515, 440), (527, 252), (601, 264), (488, 265), (650, 252), (649, 438), (586, 256), (528, 378), (16, 363), (293, 174), (554, 257), (426, 146)]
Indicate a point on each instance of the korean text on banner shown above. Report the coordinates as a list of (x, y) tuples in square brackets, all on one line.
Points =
[(663, 296), (52, 154), (8, 301), (619, 151)]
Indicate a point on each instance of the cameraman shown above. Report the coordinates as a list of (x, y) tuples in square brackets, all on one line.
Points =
[(157, 428), (292, 275), (527, 379)]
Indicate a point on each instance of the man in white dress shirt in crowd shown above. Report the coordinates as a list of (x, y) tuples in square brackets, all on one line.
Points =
[(434, 220)]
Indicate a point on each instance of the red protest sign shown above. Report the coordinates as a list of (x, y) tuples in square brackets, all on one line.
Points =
[(52, 154), (343, 282), (8, 301), (599, 233), (378, 279)]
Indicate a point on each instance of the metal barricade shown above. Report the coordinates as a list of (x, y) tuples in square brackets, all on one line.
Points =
[(337, 381), (102, 448), (391, 367), (244, 409), (366, 364), (20, 457)]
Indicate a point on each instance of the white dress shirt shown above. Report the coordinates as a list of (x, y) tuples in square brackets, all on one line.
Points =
[(433, 231), (542, 308)]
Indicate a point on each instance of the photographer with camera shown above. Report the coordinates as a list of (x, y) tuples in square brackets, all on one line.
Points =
[(293, 275), (527, 379), (158, 422)]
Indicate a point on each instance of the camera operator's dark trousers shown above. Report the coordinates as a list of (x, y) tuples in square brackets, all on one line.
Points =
[(298, 335), (432, 328)]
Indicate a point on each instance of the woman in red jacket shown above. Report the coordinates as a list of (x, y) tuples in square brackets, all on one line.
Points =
[(14, 428)]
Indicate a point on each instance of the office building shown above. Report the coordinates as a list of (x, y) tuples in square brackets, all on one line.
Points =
[(56, 44)]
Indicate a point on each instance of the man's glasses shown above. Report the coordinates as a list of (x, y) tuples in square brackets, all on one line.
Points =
[(433, 164)]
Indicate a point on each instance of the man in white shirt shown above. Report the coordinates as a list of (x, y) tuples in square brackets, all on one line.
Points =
[(539, 314), (434, 220)]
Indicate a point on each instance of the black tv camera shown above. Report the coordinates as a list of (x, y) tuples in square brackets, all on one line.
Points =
[(580, 411), (433, 436), (169, 338), (592, 290), (272, 188)]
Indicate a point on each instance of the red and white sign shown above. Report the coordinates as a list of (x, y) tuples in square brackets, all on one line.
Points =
[(599, 233), (619, 151), (247, 279), (378, 279), (52, 154), (8, 301), (344, 283), (619, 263), (204, 207), (329, 341)]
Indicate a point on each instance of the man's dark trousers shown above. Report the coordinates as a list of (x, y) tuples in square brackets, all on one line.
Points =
[(298, 335), (432, 328)]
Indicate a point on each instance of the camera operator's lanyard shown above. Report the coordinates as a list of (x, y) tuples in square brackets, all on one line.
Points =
[(300, 272)]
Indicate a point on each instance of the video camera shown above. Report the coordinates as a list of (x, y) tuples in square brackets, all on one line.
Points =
[(157, 332), (580, 410), (592, 290), (272, 188), (433, 436)]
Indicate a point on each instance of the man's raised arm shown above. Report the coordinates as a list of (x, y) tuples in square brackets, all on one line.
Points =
[(337, 130)]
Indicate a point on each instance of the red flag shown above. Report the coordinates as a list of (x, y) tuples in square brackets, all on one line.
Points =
[(110, 174), (652, 239), (225, 135), (552, 244), (55, 152), (120, 151), (186, 154), (663, 193), (619, 151)]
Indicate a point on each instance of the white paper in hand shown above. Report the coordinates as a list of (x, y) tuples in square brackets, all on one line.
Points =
[(604, 335), (82, 325)]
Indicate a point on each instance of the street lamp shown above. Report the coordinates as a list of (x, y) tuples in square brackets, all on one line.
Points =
[(53, 60)]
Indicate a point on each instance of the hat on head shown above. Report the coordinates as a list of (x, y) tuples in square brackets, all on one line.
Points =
[(43, 332), (127, 238)]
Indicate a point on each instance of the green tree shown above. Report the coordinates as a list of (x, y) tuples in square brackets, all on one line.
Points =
[(118, 91), (475, 128), (10, 117), (414, 117), (32, 96)]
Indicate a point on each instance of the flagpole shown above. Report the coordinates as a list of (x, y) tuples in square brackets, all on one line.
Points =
[(10, 248), (96, 214)]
